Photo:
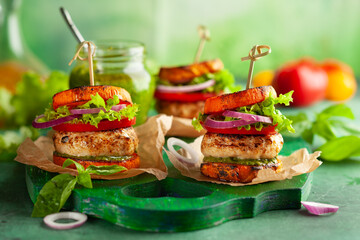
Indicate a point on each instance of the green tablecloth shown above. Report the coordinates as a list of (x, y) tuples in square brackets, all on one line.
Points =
[(334, 183)]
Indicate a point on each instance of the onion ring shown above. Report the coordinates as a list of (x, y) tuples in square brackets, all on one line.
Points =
[(187, 88), (319, 208), (80, 218), (247, 116), (209, 122), (171, 142), (96, 110), (54, 122)]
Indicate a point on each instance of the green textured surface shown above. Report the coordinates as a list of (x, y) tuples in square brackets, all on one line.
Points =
[(178, 203), (331, 184), (335, 183)]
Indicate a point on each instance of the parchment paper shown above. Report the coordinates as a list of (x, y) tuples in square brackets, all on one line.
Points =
[(182, 127), (297, 163), (151, 140)]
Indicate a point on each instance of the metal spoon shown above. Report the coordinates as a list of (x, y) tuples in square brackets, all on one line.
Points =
[(70, 23)]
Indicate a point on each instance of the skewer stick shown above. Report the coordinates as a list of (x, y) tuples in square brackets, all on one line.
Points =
[(89, 58), (253, 57), (204, 34)]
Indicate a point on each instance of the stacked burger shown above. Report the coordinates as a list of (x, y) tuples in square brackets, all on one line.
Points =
[(93, 126), (182, 91), (242, 133)]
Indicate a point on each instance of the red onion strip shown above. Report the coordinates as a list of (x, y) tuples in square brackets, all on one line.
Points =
[(187, 88), (96, 110), (209, 122), (50, 220), (247, 116), (52, 123), (76, 113), (319, 208)]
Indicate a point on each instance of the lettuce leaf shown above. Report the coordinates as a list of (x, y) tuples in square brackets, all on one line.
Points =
[(6, 109), (96, 102), (196, 122), (33, 94), (11, 139), (265, 108)]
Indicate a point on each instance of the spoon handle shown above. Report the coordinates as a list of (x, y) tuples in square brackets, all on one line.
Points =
[(70, 23)]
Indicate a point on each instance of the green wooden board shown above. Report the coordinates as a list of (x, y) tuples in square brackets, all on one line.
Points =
[(178, 203)]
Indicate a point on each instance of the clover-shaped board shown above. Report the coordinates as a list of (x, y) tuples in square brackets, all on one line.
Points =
[(178, 203)]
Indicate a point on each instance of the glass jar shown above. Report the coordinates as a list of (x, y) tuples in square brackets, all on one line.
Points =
[(119, 63)]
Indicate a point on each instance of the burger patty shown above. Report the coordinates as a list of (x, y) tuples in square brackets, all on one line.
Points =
[(117, 142), (180, 109), (241, 146)]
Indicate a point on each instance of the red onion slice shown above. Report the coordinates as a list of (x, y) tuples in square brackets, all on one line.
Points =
[(319, 208), (209, 122), (52, 123), (188, 88), (247, 116), (50, 220), (97, 110)]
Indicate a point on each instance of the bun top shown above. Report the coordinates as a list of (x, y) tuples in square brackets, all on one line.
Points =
[(184, 74), (238, 99), (81, 95)]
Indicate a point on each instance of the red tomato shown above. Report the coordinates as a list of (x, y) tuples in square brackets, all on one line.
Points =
[(306, 78), (183, 97), (269, 130), (103, 125), (335, 65)]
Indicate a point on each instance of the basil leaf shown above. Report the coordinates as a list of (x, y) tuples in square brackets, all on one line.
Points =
[(84, 179), (340, 148), (339, 110), (53, 195), (308, 135), (323, 129), (80, 168), (301, 123), (348, 127), (105, 170)]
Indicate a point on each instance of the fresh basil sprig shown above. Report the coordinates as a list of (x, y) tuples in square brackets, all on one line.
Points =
[(55, 192), (342, 140)]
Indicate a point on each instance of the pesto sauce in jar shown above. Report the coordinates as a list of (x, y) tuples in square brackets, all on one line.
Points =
[(119, 63)]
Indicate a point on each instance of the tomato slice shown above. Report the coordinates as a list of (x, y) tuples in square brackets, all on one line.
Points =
[(183, 97), (102, 126), (268, 130)]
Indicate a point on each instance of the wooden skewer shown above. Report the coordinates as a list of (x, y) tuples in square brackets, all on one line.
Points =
[(89, 58), (253, 57), (204, 34)]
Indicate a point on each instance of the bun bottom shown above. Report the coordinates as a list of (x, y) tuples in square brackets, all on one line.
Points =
[(229, 172), (133, 162)]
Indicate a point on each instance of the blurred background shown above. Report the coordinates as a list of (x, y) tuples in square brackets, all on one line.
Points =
[(319, 28), (33, 35)]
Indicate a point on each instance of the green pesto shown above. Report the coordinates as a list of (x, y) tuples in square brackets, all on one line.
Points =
[(249, 162), (96, 158)]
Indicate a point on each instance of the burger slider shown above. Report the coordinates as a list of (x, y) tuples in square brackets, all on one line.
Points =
[(242, 134)]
